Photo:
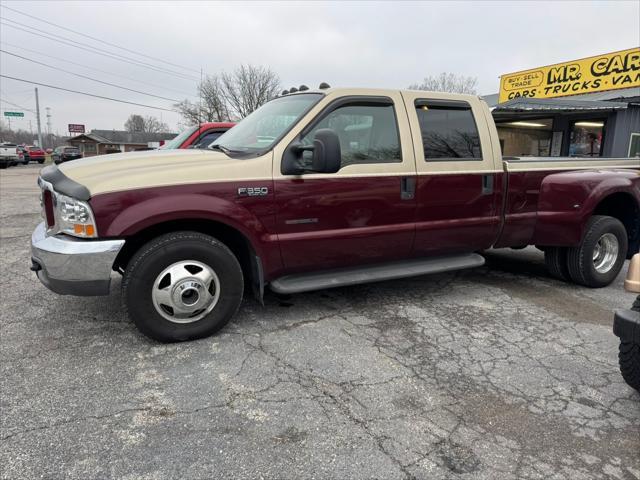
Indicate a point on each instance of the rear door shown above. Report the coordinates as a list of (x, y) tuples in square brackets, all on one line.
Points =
[(459, 183), (363, 213)]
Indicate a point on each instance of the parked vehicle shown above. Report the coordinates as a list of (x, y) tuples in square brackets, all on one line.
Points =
[(36, 154), (22, 149), (320, 189), (10, 155), (199, 136), (65, 153), (626, 326)]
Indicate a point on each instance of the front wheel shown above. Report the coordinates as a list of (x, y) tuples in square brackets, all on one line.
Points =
[(182, 286), (629, 358), (597, 261)]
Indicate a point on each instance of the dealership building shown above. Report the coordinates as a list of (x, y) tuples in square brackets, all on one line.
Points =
[(582, 108)]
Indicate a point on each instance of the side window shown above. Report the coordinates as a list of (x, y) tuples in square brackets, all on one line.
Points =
[(449, 131), (368, 133), (207, 139)]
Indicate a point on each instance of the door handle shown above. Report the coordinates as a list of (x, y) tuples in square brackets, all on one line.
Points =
[(487, 184), (407, 188)]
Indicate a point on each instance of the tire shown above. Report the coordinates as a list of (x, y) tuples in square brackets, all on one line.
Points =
[(629, 359), (3, 166), (147, 271), (580, 260), (556, 260), (41, 161)]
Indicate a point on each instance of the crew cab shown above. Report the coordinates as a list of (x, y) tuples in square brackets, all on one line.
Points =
[(198, 136), (319, 189)]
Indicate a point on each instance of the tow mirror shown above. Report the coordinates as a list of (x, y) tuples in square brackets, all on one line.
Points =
[(326, 155)]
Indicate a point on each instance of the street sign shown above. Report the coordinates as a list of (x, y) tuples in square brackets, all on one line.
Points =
[(75, 128), (13, 114)]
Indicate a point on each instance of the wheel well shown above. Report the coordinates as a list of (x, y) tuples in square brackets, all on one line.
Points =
[(232, 238), (623, 207)]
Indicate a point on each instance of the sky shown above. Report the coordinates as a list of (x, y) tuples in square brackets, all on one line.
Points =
[(347, 44)]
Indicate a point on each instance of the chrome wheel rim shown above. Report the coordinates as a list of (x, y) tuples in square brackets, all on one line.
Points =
[(186, 291), (605, 253)]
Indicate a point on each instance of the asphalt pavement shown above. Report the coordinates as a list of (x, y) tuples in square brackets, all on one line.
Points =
[(494, 373)]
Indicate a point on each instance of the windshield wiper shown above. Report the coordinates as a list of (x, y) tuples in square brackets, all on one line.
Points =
[(223, 149)]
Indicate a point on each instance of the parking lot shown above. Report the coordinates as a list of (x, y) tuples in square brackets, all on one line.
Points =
[(498, 372)]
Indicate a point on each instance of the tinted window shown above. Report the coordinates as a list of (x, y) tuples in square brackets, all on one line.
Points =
[(449, 132), (367, 133), (207, 139)]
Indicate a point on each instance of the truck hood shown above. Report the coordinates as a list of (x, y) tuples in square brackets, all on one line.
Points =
[(154, 168)]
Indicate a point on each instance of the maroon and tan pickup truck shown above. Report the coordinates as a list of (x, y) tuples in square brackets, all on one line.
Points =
[(319, 189)]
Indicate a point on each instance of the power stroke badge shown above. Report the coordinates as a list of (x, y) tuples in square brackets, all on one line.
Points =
[(253, 191)]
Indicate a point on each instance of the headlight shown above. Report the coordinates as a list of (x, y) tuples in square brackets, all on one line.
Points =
[(75, 217)]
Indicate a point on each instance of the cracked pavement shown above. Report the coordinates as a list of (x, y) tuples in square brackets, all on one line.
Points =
[(498, 372)]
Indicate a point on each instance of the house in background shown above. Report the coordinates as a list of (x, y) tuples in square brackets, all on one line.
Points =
[(100, 142)]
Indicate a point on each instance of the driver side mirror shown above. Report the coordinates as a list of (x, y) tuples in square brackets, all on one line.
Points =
[(326, 156)]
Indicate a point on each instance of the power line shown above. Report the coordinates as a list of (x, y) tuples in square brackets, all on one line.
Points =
[(85, 93), (88, 78), (98, 51), (16, 105), (97, 39), (97, 69)]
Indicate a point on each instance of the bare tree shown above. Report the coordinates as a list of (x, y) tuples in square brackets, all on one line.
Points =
[(212, 106), (448, 82), (231, 96), (248, 87), (149, 124), (25, 137)]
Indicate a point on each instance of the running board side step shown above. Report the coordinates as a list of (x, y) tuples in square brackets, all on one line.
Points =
[(306, 282)]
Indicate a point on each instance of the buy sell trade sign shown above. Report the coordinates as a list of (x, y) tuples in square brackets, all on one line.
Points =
[(609, 71)]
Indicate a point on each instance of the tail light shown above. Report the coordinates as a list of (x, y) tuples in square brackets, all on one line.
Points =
[(47, 199)]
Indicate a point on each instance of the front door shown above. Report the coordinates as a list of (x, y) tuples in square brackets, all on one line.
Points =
[(364, 213)]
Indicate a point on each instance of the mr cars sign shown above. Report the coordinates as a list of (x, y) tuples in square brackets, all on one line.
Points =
[(594, 74)]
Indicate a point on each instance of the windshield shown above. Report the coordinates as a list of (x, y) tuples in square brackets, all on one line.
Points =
[(177, 141), (260, 130)]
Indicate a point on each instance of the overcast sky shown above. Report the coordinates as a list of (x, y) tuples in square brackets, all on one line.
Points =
[(373, 44)]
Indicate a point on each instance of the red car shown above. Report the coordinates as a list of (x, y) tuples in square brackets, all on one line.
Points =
[(198, 136), (35, 154)]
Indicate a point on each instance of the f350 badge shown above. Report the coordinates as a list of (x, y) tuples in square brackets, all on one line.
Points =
[(253, 191)]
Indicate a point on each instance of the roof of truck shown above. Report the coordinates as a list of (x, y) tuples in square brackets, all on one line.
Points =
[(346, 91)]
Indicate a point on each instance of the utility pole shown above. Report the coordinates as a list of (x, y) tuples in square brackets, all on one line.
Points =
[(38, 119), (48, 126)]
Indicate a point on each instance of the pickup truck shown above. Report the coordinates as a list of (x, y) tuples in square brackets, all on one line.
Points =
[(9, 155), (198, 136), (36, 154), (318, 189)]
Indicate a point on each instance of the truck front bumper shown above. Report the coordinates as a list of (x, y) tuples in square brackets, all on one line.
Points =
[(72, 266), (626, 325)]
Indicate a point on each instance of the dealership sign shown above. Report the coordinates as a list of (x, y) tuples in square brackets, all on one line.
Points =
[(75, 128), (594, 74)]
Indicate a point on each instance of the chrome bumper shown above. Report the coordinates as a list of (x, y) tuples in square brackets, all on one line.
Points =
[(71, 266)]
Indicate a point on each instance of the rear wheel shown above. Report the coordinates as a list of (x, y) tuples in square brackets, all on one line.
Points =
[(556, 260), (41, 161), (598, 259), (182, 286)]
